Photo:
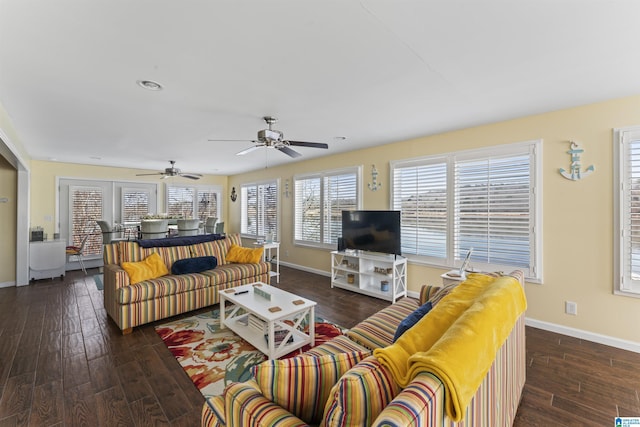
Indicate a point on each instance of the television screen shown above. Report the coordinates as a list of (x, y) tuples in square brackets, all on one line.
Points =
[(375, 231)]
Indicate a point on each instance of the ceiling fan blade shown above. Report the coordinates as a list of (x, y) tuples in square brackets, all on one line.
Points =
[(308, 144), (146, 174), (288, 151), (231, 140), (249, 150), (190, 175)]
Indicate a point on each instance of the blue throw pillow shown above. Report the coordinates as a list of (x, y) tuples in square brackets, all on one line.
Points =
[(412, 319), (194, 265)]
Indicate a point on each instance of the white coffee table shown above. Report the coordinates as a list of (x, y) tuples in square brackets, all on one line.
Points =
[(252, 310)]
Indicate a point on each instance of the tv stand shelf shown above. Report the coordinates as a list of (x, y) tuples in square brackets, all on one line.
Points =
[(367, 271)]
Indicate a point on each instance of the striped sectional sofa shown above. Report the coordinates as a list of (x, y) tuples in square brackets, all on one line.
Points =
[(133, 305), (341, 383)]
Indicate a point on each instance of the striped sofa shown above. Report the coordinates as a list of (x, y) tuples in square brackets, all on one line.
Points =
[(366, 393), (133, 305)]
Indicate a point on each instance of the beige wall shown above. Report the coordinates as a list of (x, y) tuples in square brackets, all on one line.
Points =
[(8, 215), (44, 178), (577, 215)]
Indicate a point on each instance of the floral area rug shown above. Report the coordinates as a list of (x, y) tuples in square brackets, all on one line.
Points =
[(214, 357)]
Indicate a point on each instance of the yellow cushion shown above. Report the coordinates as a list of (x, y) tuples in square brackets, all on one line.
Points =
[(244, 255), (150, 268)]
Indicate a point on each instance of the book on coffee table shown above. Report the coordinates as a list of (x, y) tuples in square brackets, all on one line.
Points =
[(278, 336)]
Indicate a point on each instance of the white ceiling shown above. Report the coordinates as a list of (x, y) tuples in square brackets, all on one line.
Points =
[(373, 71)]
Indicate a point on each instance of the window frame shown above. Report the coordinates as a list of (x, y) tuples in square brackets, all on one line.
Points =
[(535, 271), (623, 284), (260, 210), (322, 176)]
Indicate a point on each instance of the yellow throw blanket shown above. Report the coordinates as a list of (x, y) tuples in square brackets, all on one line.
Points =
[(458, 340)]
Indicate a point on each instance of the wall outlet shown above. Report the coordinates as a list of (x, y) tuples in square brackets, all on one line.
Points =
[(571, 308), (286, 253)]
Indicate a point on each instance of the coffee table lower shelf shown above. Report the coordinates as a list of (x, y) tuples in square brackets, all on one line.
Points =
[(257, 338)]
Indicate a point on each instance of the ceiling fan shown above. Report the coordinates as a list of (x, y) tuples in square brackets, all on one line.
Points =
[(275, 139), (173, 171)]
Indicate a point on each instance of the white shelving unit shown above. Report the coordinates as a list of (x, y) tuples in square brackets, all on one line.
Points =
[(368, 271)]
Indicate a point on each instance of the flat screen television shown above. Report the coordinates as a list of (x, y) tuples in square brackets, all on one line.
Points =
[(375, 231)]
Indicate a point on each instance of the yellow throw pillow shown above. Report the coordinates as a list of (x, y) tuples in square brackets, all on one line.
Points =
[(244, 255), (150, 268)]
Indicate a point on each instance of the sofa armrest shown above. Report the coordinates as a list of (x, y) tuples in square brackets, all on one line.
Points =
[(115, 277), (419, 404), (244, 405)]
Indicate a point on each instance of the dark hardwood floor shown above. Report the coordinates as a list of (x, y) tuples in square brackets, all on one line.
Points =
[(64, 363)]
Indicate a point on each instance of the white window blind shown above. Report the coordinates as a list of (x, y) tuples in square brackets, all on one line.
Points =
[(420, 194), (319, 202), (492, 210), (193, 201), (627, 157), (86, 208), (259, 209), (135, 204), (482, 199)]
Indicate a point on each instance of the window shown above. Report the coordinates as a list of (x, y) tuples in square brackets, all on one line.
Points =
[(627, 207), (482, 199), (193, 202), (135, 204), (85, 206), (319, 202), (260, 213), (83, 201)]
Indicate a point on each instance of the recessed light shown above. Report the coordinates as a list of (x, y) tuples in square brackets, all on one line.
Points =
[(149, 84)]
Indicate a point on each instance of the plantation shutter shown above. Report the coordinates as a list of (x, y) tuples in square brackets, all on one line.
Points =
[(260, 209), (492, 209), (180, 201), (207, 204), (270, 209), (135, 204), (340, 193), (420, 194), (630, 227), (308, 218), (86, 207)]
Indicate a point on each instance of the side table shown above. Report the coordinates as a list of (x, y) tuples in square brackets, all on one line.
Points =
[(266, 256)]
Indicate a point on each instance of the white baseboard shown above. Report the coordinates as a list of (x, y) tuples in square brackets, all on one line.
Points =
[(585, 335), (307, 269), (7, 284)]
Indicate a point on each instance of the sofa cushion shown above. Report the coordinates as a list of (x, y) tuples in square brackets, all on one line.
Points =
[(301, 384), (368, 382), (194, 265), (224, 275), (161, 287), (339, 344), (240, 255), (378, 330), (412, 319), (150, 268)]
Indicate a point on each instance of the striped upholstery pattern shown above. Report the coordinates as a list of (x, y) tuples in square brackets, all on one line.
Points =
[(368, 382), (160, 287), (339, 344), (213, 412), (246, 406), (494, 404), (214, 248), (378, 330), (302, 384), (110, 253)]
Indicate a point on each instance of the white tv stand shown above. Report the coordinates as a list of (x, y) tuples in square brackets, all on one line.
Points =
[(369, 270)]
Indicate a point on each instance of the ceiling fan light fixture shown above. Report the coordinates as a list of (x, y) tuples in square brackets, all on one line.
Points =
[(149, 85)]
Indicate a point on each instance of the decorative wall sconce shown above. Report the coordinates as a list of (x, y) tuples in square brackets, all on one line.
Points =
[(286, 188), (374, 185), (234, 195), (575, 173)]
